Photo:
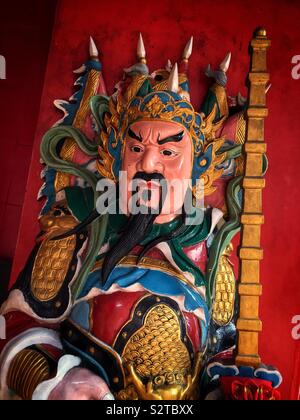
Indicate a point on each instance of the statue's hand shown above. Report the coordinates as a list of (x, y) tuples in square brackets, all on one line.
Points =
[(81, 384)]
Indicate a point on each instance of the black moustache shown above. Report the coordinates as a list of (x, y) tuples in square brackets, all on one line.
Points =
[(149, 177)]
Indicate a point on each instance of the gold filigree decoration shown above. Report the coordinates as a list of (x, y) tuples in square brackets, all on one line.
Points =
[(223, 308), (54, 256), (163, 85), (206, 187), (156, 348), (209, 127), (168, 386), (62, 180), (240, 139)]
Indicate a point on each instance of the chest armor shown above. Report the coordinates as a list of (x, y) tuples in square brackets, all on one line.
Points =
[(144, 344)]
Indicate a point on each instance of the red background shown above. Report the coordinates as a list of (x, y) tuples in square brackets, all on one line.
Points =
[(218, 27)]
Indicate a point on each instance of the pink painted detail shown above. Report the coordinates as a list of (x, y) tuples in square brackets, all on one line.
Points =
[(217, 199), (80, 385), (194, 330), (173, 160), (153, 253), (198, 255), (229, 128)]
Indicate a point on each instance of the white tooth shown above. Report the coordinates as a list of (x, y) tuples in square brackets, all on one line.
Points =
[(141, 52), (173, 82), (224, 66), (188, 49), (93, 49)]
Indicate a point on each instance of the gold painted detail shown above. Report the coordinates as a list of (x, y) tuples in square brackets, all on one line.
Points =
[(223, 308), (221, 96), (54, 256), (240, 139), (51, 266), (27, 370), (168, 386), (156, 353), (62, 180), (248, 324)]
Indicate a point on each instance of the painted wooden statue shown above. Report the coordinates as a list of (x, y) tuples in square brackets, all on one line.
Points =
[(130, 291)]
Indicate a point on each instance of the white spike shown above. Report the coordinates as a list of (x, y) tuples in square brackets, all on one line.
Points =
[(141, 52), (268, 87), (173, 83), (81, 69), (224, 66), (93, 49), (169, 65), (188, 49)]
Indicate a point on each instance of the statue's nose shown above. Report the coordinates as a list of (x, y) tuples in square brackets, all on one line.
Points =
[(151, 161)]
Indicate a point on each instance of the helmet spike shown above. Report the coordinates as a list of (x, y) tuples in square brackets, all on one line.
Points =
[(224, 66), (188, 50), (169, 66), (93, 49), (141, 52), (173, 82)]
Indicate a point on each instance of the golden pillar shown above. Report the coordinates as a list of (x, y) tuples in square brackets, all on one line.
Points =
[(249, 325)]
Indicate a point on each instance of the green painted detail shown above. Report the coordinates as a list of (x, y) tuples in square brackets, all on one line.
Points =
[(209, 102), (49, 147), (80, 201), (100, 106), (224, 235)]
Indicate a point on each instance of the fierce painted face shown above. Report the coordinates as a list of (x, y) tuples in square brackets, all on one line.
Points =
[(164, 150), (154, 151)]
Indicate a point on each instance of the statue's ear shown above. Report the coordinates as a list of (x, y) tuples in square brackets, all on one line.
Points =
[(100, 107)]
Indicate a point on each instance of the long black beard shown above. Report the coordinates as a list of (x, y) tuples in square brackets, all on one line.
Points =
[(134, 232)]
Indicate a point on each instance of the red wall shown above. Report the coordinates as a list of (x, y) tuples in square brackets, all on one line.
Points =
[(218, 27), (25, 35)]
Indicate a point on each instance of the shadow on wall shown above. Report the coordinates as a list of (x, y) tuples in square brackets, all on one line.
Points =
[(5, 268)]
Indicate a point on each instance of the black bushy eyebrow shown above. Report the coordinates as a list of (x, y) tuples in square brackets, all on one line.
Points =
[(175, 138), (134, 136)]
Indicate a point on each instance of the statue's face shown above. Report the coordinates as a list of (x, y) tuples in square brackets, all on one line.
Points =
[(165, 148)]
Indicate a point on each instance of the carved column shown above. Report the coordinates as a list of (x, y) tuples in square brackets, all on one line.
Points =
[(249, 325)]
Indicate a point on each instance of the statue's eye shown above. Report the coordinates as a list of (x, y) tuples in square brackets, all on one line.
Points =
[(168, 153), (136, 149)]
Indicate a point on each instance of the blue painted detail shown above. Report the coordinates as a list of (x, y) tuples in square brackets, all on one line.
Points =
[(222, 370), (198, 169), (81, 315), (267, 373), (49, 190), (156, 282)]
